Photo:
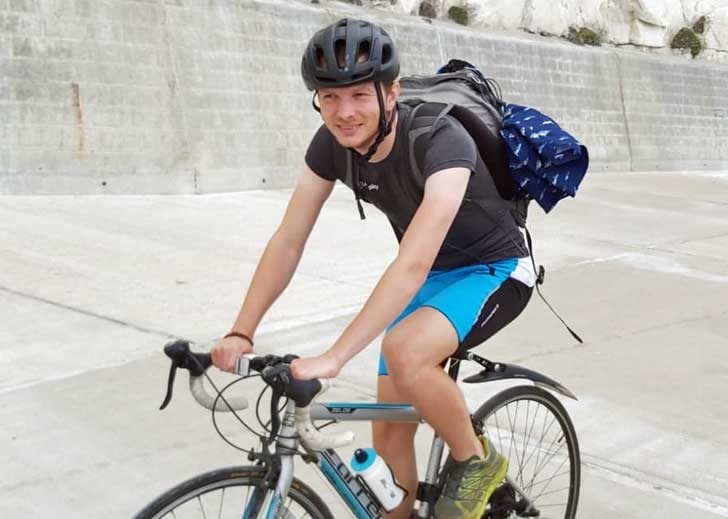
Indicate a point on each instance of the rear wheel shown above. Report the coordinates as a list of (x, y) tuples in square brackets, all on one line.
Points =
[(225, 493), (532, 429)]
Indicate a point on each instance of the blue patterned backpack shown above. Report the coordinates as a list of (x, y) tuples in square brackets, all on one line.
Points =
[(529, 156)]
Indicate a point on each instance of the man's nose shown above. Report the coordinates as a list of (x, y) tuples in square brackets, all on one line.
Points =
[(346, 109)]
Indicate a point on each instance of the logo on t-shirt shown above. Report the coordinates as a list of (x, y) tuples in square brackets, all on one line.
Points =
[(367, 186)]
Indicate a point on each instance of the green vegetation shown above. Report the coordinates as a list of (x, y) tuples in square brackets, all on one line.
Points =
[(584, 36), (459, 15), (700, 24), (687, 38), (428, 10)]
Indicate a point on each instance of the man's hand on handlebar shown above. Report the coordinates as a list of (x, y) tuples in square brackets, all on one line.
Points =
[(227, 351), (322, 366)]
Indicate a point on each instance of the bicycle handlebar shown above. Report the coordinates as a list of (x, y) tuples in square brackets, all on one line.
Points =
[(276, 373)]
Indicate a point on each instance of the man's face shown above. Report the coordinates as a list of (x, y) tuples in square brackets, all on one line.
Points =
[(352, 113)]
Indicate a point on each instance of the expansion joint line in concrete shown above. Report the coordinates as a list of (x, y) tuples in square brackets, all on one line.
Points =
[(86, 313), (631, 477), (624, 109)]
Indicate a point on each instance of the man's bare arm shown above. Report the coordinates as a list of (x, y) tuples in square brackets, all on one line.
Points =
[(444, 192), (278, 262)]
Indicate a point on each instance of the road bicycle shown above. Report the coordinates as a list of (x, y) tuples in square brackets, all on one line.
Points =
[(526, 423)]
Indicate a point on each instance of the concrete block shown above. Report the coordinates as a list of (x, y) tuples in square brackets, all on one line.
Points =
[(6, 45), (138, 34), (59, 49), (22, 47), (25, 6), (19, 23), (22, 91), (19, 68)]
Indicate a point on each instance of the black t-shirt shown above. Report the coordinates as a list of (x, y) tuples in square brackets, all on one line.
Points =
[(479, 233)]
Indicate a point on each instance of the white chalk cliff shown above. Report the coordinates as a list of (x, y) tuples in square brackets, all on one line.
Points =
[(692, 28)]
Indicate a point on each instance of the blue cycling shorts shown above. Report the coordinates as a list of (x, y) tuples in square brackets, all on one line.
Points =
[(460, 294)]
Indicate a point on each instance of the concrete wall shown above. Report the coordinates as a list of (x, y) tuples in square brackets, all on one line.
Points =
[(175, 96)]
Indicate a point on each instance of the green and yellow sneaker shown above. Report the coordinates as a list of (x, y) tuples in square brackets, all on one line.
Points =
[(470, 483)]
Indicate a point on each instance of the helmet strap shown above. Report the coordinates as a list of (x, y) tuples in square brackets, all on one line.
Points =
[(385, 126)]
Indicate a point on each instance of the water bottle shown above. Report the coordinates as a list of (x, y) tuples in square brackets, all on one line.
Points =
[(378, 477)]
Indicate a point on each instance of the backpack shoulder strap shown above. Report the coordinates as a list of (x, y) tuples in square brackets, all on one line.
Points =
[(420, 121)]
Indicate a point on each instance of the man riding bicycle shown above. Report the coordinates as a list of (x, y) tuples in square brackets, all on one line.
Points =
[(460, 274)]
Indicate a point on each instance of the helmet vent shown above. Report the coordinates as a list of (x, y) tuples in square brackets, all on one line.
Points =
[(320, 58), (340, 53), (362, 53), (386, 53)]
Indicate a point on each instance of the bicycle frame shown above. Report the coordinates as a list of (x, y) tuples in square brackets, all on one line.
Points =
[(354, 493)]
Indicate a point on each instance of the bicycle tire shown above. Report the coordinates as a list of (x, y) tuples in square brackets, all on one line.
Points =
[(244, 477), (502, 418)]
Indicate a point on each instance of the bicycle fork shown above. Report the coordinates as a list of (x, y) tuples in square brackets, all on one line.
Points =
[(286, 448)]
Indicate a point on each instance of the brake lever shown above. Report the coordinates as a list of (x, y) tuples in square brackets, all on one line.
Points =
[(170, 385), (275, 419), (179, 352), (277, 376)]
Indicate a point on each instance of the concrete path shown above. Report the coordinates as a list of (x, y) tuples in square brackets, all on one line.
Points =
[(92, 287)]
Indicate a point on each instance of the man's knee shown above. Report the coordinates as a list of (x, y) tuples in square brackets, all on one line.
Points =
[(400, 363)]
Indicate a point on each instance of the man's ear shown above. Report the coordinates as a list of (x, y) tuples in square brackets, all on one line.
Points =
[(393, 95)]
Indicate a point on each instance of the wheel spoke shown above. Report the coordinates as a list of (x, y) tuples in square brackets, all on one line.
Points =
[(543, 426), (510, 422), (550, 492), (547, 481), (524, 463), (498, 428), (551, 456), (543, 490), (527, 435), (526, 442), (247, 496), (202, 508)]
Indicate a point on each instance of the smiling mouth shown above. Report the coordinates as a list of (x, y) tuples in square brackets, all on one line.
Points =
[(349, 129)]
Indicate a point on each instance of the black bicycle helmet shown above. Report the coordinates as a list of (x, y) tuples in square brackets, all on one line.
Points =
[(347, 40), (346, 53)]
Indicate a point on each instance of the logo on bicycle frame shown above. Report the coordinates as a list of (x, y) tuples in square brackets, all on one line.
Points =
[(359, 492)]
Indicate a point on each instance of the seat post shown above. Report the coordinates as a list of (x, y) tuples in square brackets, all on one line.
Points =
[(453, 367)]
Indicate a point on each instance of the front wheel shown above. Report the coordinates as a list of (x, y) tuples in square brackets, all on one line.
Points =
[(532, 429), (227, 493)]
